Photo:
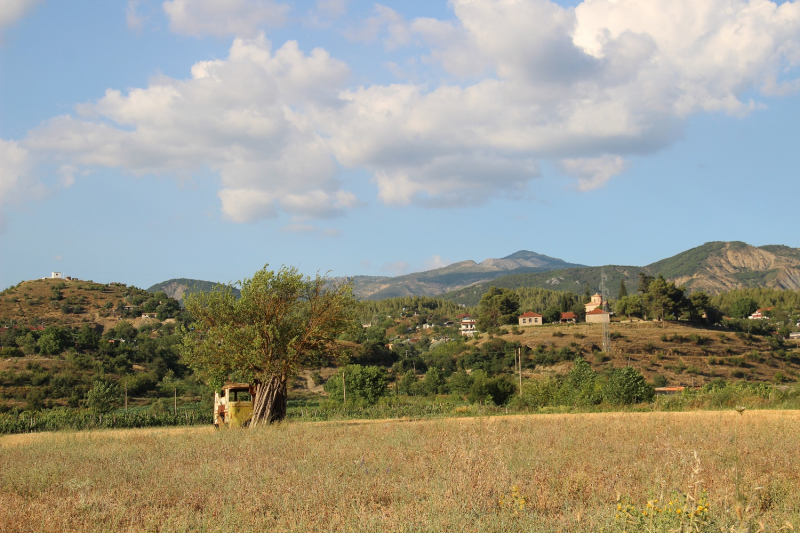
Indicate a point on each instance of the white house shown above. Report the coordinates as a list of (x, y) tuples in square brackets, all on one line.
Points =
[(468, 326)]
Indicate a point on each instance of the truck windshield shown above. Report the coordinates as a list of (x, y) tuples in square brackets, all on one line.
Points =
[(241, 395)]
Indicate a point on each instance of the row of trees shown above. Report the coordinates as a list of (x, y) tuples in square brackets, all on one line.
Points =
[(359, 385)]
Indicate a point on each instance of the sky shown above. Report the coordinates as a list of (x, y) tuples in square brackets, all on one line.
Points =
[(147, 140)]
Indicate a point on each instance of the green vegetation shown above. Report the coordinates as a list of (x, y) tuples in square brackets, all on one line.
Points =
[(688, 262), (408, 360), (283, 322)]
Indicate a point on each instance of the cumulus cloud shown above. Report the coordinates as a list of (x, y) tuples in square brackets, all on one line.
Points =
[(17, 185), (241, 117), (588, 85), (584, 87), (594, 172), (11, 11), (133, 19), (242, 18)]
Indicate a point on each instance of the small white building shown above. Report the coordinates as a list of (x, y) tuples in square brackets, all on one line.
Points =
[(468, 326), (56, 275)]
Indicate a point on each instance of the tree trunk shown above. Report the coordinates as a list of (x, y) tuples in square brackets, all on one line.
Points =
[(269, 404)]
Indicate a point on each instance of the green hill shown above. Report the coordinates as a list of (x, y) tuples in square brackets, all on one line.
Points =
[(178, 287)]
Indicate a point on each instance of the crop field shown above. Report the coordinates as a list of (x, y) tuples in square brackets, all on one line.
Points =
[(703, 471)]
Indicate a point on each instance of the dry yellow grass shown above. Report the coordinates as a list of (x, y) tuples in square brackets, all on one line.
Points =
[(430, 475)]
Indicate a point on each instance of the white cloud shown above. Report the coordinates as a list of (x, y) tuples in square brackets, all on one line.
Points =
[(590, 85), (584, 87), (133, 19), (397, 268), (595, 172), (242, 117), (17, 185), (435, 262), (242, 18), (66, 175), (11, 11)]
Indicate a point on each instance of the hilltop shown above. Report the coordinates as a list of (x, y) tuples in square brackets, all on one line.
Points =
[(177, 288), (721, 266), (72, 303), (713, 267), (454, 276)]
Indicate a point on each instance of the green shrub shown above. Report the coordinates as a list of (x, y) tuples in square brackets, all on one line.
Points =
[(10, 351), (627, 386)]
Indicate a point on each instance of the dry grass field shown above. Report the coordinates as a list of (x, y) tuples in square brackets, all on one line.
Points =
[(514, 473)]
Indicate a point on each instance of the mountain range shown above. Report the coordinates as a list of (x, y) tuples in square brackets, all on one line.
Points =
[(712, 267)]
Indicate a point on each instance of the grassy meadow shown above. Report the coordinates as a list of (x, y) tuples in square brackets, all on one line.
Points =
[(708, 471)]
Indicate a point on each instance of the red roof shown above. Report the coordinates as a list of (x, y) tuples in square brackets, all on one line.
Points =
[(568, 315), (529, 314), (597, 311), (462, 316)]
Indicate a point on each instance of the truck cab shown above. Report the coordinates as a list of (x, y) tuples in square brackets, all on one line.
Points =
[(233, 406)]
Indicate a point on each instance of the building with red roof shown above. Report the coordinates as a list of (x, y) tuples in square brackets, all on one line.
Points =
[(530, 319)]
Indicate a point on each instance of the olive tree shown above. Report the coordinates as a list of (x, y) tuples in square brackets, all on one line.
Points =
[(281, 322)]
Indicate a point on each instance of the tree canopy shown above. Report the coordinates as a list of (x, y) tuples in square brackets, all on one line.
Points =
[(282, 322), (497, 307)]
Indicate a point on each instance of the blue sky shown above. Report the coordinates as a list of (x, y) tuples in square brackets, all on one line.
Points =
[(146, 140)]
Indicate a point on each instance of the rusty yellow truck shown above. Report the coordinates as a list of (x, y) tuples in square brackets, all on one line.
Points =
[(233, 406)]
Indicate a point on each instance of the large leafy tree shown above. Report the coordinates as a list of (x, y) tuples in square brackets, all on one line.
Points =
[(497, 307), (282, 322)]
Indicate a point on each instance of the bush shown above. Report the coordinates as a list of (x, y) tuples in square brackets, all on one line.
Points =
[(538, 393), (627, 386), (362, 384), (10, 351), (103, 397)]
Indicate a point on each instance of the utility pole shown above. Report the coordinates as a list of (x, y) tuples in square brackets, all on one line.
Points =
[(344, 388), (604, 307), (519, 360), (126, 394), (175, 405)]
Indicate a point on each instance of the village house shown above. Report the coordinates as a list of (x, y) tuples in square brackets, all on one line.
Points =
[(595, 303), (568, 318), (530, 319), (467, 326), (598, 316), (760, 314)]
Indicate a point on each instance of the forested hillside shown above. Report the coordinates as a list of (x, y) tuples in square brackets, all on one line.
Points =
[(179, 287)]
